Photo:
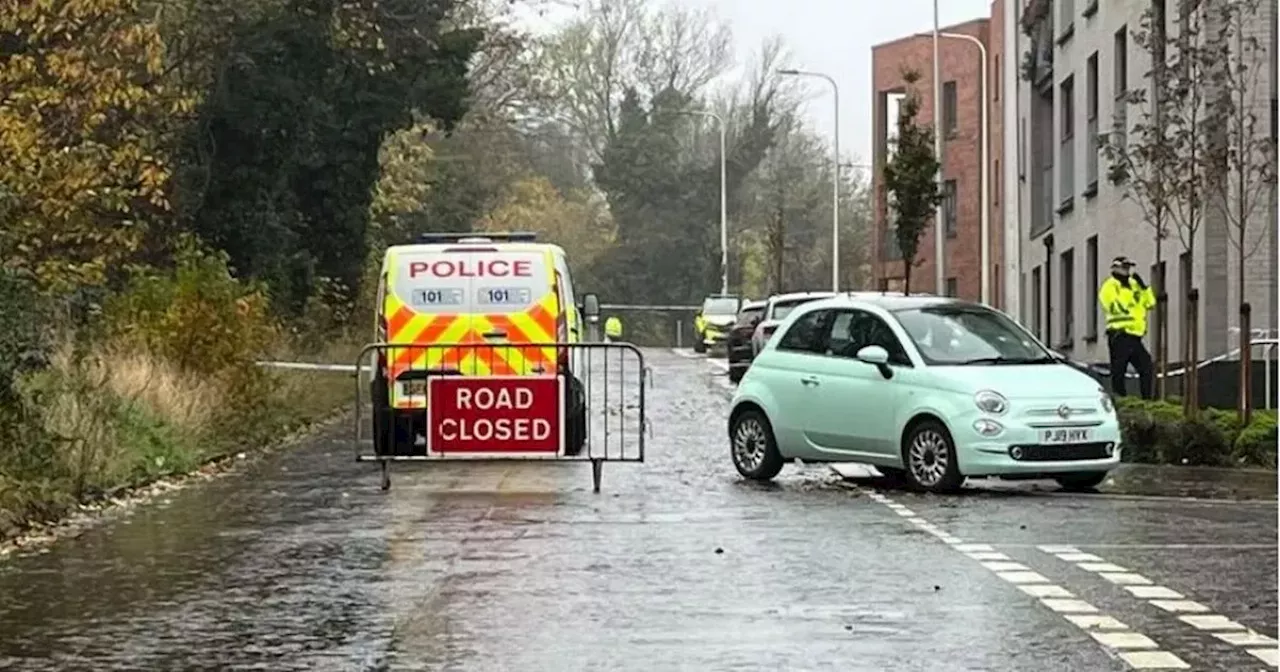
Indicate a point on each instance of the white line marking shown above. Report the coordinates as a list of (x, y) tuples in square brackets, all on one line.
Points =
[(1068, 605), (687, 354), (1045, 590), (1124, 640), (722, 365), (1006, 567), (1100, 567), (1189, 611), (1022, 577), (1154, 593), (1107, 631), (1181, 606), (1154, 660), (1268, 656), (1247, 638), (1210, 622), (1088, 622), (1125, 578), (1079, 557), (988, 555)]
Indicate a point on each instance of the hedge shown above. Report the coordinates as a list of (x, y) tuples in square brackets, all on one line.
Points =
[(1155, 432)]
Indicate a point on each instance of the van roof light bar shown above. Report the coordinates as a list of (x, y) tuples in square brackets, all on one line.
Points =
[(480, 237)]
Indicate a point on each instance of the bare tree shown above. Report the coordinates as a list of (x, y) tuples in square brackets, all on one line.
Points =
[(620, 44)]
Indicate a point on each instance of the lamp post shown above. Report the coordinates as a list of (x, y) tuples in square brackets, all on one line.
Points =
[(835, 175), (939, 228), (985, 249), (724, 209)]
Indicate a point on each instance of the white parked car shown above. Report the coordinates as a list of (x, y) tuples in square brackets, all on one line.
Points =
[(776, 310), (929, 389)]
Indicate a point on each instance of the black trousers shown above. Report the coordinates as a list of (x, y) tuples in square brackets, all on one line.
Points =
[(1126, 349)]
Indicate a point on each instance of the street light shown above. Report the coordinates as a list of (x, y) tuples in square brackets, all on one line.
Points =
[(724, 209), (939, 232), (835, 176), (985, 254)]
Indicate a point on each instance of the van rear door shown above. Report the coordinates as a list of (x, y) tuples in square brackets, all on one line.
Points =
[(515, 304)]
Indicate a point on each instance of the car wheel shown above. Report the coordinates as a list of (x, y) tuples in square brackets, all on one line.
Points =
[(751, 443), (1081, 481), (698, 345), (930, 457), (576, 417), (381, 419), (735, 375)]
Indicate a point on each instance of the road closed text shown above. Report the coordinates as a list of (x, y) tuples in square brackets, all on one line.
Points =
[(494, 415)]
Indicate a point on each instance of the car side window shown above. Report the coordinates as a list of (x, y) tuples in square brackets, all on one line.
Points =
[(854, 330), (807, 334)]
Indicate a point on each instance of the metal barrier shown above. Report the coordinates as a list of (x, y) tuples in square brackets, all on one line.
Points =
[(482, 401)]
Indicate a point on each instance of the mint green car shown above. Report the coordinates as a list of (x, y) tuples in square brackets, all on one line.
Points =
[(927, 389)]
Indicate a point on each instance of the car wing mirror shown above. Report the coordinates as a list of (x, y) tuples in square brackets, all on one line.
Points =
[(876, 356)]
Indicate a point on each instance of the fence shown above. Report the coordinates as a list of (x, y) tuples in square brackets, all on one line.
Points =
[(669, 326)]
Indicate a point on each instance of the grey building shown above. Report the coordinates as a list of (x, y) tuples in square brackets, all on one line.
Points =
[(1071, 216)]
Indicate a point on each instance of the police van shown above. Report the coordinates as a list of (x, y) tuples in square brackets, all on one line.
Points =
[(473, 303)]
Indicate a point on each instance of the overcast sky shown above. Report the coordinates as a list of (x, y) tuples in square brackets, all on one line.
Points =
[(835, 37)]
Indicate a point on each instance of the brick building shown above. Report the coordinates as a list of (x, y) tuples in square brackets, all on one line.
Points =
[(961, 69)]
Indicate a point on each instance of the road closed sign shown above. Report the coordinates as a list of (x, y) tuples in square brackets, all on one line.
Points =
[(495, 416)]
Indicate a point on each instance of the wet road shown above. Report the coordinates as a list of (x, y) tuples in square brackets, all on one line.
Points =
[(302, 563)]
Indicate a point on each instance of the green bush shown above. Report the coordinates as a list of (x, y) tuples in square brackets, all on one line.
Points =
[(1156, 432)]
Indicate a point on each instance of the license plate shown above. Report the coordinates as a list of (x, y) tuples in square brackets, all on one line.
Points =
[(1062, 435), (413, 388)]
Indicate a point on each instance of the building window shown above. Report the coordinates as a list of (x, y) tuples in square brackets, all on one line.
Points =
[(995, 183), (1067, 164), (1035, 303), (949, 121), (1185, 278), (1022, 148), (1091, 268), (1091, 113), (1121, 80), (995, 74), (951, 287), (1068, 285), (1066, 18), (949, 207)]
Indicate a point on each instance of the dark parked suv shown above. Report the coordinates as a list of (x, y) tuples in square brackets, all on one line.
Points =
[(739, 339)]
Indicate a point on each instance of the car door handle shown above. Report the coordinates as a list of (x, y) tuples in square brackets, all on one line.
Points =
[(810, 381)]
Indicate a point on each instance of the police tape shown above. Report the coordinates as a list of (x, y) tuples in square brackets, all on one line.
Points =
[(313, 366), (1269, 343)]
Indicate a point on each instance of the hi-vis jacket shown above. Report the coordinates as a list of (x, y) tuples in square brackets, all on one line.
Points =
[(1125, 305)]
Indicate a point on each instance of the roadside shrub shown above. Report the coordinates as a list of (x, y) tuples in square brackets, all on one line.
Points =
[(1157, 432), (197, 316)]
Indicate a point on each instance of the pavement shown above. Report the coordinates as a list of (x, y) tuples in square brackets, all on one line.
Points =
[(302, 563)]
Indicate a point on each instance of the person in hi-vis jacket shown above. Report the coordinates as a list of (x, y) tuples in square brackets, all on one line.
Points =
[(612, 328), (1125, 299)]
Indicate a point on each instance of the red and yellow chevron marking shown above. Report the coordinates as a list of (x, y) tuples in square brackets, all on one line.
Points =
[(535, 325)]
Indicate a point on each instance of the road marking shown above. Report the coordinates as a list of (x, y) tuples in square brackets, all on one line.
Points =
[(1124, 640), (1154, 660), (719, 364), (687, 354), (1154, 593), (1211, 622), (1136, 649), (1190, 612)]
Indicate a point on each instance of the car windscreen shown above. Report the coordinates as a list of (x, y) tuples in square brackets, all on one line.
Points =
[(720, 306), (969, 335), (749, 315), (782, 309)]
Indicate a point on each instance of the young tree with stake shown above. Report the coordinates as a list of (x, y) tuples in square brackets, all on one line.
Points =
[(910, 178)]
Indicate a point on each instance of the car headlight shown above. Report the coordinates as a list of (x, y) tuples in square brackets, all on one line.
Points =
[(1105, 400), (985, 427), (989, 401)]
